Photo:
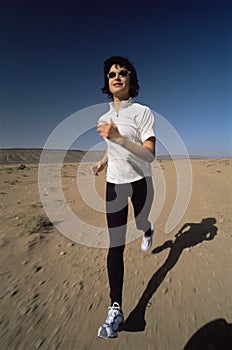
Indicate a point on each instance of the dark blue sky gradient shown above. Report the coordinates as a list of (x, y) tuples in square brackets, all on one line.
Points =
[(52, 55)]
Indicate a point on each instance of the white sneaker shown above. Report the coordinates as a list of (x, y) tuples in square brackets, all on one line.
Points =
[(147, 241), (115, 317)]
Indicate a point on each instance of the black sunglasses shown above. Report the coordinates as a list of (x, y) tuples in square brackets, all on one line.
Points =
[(121, 73)]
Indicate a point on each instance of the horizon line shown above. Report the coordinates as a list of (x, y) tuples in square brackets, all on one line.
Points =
[(81, 150)]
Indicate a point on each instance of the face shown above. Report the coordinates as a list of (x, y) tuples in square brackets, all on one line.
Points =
[(119, 84)]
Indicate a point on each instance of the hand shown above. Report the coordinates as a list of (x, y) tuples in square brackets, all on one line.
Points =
[(97, 168), (108, 130)]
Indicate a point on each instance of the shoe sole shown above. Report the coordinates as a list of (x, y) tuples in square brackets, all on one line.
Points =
[(109, 337), (101, 336)]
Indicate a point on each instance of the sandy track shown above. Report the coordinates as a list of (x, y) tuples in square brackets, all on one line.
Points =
[(54, 293)]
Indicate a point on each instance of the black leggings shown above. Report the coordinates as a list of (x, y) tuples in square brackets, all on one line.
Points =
[(141, 193)]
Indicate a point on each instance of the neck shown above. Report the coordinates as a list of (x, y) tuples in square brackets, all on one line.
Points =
[(117, 101)]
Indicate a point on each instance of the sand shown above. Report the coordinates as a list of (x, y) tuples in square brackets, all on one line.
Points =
[(54, 292)]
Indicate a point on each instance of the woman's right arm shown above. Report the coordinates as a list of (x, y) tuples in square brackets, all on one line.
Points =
[(99, 166)]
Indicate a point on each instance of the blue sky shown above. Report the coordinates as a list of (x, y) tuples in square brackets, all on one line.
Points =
[(52, 54)]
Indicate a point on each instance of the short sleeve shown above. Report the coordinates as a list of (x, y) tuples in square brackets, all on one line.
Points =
[(146, 126)]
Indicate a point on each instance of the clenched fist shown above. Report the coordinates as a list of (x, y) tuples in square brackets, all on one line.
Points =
[(108, 130)]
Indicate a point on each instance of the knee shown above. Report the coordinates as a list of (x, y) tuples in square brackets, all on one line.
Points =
[(116, 251)]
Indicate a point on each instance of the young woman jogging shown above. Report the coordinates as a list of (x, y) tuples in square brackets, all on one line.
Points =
[(128, 129)]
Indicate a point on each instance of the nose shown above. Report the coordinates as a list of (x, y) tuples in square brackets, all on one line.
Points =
[(117, 76)]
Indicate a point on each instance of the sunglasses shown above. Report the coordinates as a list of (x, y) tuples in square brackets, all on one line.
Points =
[(121, 73)]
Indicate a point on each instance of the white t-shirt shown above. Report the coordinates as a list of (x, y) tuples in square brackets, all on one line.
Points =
[(136, 123)]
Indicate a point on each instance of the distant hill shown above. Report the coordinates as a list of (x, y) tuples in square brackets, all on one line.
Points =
[(32, 155)]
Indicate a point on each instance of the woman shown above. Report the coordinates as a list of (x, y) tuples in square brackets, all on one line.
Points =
[(128, 129)]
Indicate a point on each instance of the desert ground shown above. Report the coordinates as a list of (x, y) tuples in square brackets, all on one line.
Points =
[(54, 291)]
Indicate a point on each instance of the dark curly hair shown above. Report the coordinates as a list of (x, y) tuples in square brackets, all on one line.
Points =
[(122, 62)]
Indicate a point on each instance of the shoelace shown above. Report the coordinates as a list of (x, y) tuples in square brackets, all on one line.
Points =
[(112, 312)]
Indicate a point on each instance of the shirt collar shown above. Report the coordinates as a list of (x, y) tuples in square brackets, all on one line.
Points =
[(122, 104)]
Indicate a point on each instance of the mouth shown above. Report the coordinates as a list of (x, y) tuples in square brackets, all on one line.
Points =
[(117, 84)]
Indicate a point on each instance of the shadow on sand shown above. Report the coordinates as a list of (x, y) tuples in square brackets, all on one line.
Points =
[(215, 335), (188, 236)]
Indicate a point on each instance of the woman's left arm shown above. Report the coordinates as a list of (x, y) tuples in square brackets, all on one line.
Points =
[(150, 144), (146, 151)]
